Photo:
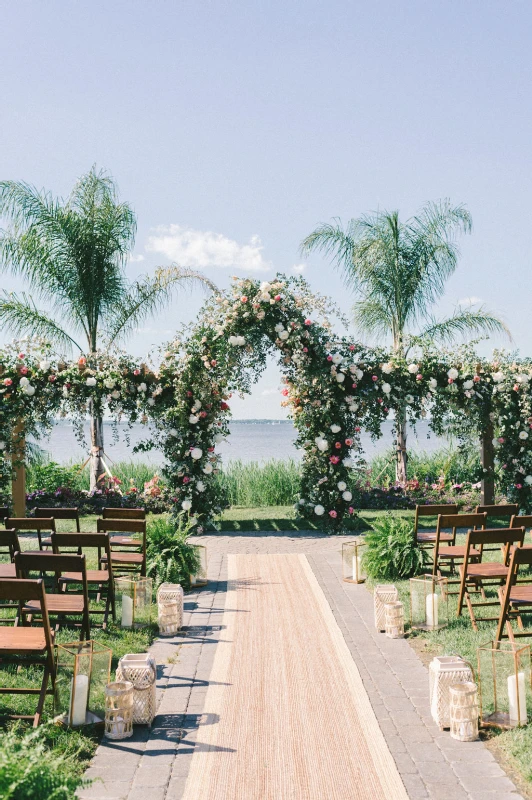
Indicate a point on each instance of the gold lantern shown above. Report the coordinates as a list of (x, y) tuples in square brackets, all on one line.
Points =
[(394, 620), (504, 682), (444, 672), (119, 710), (429, 603), (463, 711), (382, 594), (199, 578), (133, 595), (83, 671), (353, 570)]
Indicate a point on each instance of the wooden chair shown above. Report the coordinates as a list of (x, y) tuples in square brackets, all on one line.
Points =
[(32, 645), (59, 513), (480, 574), (426, 537), (452, 552), (515, 598), (9, 545), (4, 513), (32, 525), (524, 521), (59, 604), (499, 516), (125, 560), (99, 578), (123, 513)]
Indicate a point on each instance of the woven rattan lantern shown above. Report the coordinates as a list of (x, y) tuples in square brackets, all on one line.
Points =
[(463, 704), (394, 620), (170, 608), (353, 570), (83, 671), (133, 599), (200, 577), (119, 710), (504, 682), (141, 671), (429, 603), (383, 593), (444, 671)]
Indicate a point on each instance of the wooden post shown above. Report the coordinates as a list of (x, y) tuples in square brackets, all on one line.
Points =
[(488, 463), (18, 484)]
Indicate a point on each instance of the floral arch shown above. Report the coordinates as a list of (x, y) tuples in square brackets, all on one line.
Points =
[(333, 386)]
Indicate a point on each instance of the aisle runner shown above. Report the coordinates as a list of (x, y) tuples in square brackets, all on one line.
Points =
[(293, 719)]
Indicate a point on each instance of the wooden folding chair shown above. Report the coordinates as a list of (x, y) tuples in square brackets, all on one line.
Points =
[(29, 645), (515, 598), (499, 516), (60, 513), (59, 604), (426, 537), (9, 545), (4, 513), (100, 578), (452, 552), (123, 513), (524, 521), (32, 525), (125, 560), (480, 574)]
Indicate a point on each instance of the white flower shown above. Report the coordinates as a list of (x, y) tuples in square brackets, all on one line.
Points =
[(386, 388), (186, 505), (433, 383), (348, 462), (359, 374), (279, 327), (24, 382), (91, 381), (193, 419), (284, 336), (468, 384), (265, 286), (342, 486), (347, 496), (44, 365), (142, 387), (321, 443), (336, 428), (409, 398), (413, 368), (200, 486), (219, 438), (495, 443), (196, 406), (196, 453), (528, 480), (452, 373), (319, 510), (115, 395), (240, 341), (207, 469), (337, 358), (387, 368), (340, 377), (65, 391), (2, 445), (498, 377), (233, 340), (109, 383), (151, 401), (302, 501), (523, 378), (172, 431), (523, 435), (29, 390)]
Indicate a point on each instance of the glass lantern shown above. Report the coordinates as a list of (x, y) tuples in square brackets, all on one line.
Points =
[(83, 672), (504, 683), (353, 570), (429, 603), (133, 595), (200, 577)]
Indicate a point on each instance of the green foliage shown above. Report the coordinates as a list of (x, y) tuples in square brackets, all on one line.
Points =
[(49, 476), (30, 770), (392, 551), (170, 556), (249, 485), (455, 465)]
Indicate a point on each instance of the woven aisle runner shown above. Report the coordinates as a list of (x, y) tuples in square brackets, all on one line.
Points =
[(289, 716)]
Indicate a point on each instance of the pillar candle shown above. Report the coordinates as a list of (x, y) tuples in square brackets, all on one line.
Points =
[(431, 610), (127, 611), (80, 689), (517, 715)]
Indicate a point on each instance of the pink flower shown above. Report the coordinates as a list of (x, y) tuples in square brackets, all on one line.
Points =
[(136, 372), (305, 349), (329, 358), (7, 381), (203, 414), (476, 379), (354, 386), (284, 392), (186, 480), (374, 378), (213, 362), (81, 361), (243, 299), (52, 378), (24, 370), (308, 322), (450, 380), (334, 459), (419, 377), (277, 297), (210, 449), (338, 445), (351, 510), (379, 399), (189, 394), (349, 442), (357, 429), (333, 514), (518, 485), (500, 440), (351, 346), (22, 355)]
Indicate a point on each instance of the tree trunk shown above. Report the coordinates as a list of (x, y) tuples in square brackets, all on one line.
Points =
[(487, 497), (401, 454), (97, 469)]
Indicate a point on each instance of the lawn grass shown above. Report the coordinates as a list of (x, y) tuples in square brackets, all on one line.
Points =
[(283, 518)]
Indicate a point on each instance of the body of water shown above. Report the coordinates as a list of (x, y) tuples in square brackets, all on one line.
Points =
[(249, 441)]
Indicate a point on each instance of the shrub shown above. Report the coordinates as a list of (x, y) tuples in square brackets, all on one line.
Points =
[(50, 477), (170, 556), (29, 770), (392, 552)]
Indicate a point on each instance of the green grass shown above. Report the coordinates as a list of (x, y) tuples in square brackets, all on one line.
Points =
[(454, 465), (273, 483)]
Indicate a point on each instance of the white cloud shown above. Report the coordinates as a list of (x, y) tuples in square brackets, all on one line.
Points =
[(200, 249), (134, 259), (470, 301), (299, 268)]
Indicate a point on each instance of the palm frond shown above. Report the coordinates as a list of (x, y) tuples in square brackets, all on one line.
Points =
[(335, 242), (19, 314), (464, 322), (372, 317)]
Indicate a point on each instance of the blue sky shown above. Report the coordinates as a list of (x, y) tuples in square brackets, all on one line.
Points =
[(233, 128)]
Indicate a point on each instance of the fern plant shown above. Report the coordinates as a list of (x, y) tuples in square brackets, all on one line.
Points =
[(170, 556), (392, 552)]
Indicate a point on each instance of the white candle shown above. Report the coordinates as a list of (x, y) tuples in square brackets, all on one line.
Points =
[(431, 610), (80, 689), (517, 715), (118, 727), (356, 567), (127, 611), (192, 580)]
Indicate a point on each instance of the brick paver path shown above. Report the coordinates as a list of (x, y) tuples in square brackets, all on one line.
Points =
[(154, 764)]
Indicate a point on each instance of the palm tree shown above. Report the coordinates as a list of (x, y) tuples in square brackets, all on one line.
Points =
[(398, 271), (73, 255)]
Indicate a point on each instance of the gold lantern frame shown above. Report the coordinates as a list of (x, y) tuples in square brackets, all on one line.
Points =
[(199, 579), (139, 591), (429, 603), (505, 684), (78, 702), (352, 565)]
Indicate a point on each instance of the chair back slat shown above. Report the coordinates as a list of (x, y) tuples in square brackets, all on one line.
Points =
[(4, 512), (9, 540), (524, 521), (496, 536), (121, 525), (461, 520), (123, 513), (50, 562), (501, 510), (82, 540), (21, 590), (436, 510), (60, 513), (31, 523)]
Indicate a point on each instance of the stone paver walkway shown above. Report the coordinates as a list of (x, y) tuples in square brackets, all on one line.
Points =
[(154, 765)]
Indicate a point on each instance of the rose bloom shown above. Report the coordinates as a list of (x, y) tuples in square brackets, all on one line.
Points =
[(277, 297), (349, 442), (357, 429), (243, 299), (500, 440), (333, 514), (189, 394), (477, 378), (308, 322), (338, 445), (351, 346), (351, 510), (419, 377), (450, 380), (224, 406), (203, 414), (7, 381), (334, 459), (23, 370), (210, 449), (213, 362), (329, 358), (374, 378), (518, 486), (305, 349), (22, 355), (354, 386), (379, 399), (136, 372), (186, 480), (51, 378)]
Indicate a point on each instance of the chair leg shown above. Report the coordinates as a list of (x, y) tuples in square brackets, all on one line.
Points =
[(42, 698), (461, 594)]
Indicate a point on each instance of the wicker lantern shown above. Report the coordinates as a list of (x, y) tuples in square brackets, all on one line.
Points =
[(200, 577), (394, 620), (463, 704), (119, 710), (504, 682), (83, 671), (133, 599), (141, 671), (429, 603), (170, 608), (383, 593), (444, 671), (353, 570)]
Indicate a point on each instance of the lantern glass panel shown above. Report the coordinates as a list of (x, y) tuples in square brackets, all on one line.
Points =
[(83, 671), (133, 600), (353, 569), (429, 603), (504, 683), (200, 577)]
